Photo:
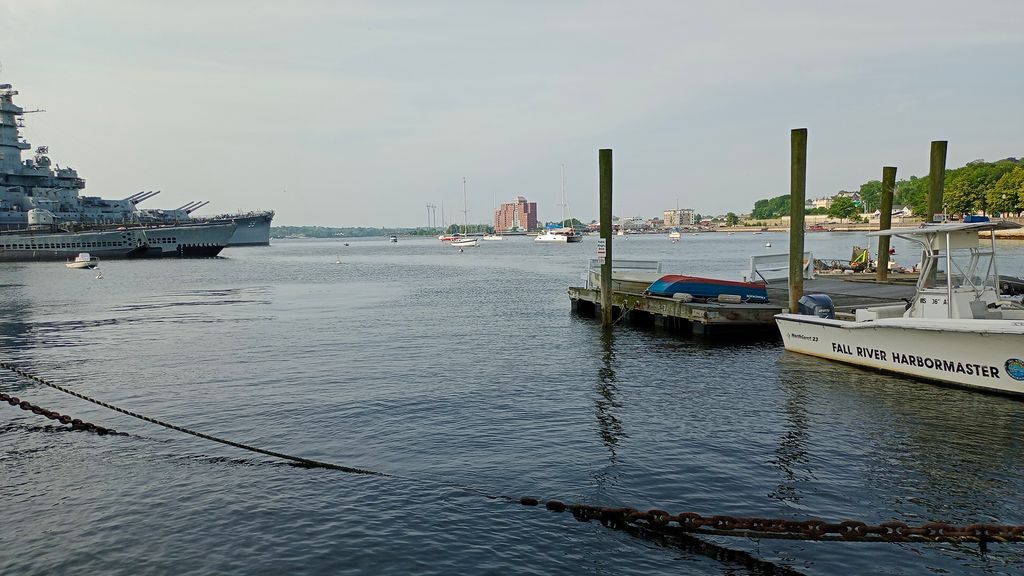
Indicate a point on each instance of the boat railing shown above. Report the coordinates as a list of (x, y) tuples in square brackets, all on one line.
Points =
[(594, 268), (768, 267)]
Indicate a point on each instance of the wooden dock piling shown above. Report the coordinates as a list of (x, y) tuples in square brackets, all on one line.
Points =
[(605, 167), (936, 179), (797, 197), (885, 221)]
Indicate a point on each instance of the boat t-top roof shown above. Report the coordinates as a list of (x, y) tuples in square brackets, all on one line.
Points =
[(933, 229)]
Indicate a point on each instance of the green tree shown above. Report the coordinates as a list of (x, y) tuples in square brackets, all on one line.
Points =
[(870, 195), (842, 208), (913, 193), (731, 219), (771, 208), (1007, 196), (959, 197)]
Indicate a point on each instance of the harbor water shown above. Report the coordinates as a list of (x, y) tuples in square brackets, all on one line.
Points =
[(460, 375)]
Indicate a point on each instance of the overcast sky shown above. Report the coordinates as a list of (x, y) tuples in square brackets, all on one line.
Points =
[(361, 113)]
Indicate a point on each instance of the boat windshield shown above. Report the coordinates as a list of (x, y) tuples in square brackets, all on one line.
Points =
[(975, 270)]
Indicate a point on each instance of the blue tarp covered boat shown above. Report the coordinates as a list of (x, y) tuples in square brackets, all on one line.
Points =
[(708, 288)]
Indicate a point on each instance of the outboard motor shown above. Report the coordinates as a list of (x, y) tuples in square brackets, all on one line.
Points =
[(819, 305)]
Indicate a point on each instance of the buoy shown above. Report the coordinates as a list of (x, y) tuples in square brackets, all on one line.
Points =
[(460, 249), (99, 274), (767, 244), (338, 261)]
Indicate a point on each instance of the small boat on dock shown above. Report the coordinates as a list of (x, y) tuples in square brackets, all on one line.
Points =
[(696, 287), (959, 328), (83, 261)]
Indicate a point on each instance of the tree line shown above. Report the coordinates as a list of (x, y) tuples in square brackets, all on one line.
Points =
[(995, 188)]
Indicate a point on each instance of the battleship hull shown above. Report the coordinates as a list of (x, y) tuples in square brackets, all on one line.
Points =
[(189, 241), (252, 228)]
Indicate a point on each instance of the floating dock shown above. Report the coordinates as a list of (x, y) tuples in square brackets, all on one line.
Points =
[(848, 292)]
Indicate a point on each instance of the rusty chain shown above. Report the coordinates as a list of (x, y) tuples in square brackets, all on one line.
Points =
[(53, 415), (778, 528), (654, 520)]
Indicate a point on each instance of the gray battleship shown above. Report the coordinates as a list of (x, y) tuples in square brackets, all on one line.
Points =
[(37, 184)]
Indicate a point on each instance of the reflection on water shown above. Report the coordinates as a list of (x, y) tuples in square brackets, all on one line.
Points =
[(948, 453), (791, 453), (607, 403)]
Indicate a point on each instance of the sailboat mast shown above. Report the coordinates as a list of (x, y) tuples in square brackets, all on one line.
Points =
[(465, 207), (563, 194)]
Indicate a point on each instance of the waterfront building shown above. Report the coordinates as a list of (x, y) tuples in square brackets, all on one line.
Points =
[(516, 216), (679, 217)]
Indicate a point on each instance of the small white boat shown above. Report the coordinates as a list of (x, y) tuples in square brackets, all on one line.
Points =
[(493, 237), (957, 330), (393, 238), (562, 235), (675, 235), (465, 242), (83, 260)]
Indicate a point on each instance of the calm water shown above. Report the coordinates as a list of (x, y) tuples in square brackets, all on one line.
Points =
[(448, 370)]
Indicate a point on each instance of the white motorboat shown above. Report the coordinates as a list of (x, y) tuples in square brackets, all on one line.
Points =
[(957, 330), (675, 235), (83, 260), (493, 237)]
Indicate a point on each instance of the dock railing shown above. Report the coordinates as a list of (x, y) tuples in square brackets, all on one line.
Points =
[(775, 267)]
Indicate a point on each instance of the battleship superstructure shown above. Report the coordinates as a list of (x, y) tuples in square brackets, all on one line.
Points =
[(38, 184)]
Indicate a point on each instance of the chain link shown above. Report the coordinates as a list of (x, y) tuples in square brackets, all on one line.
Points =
[(53, 415), (779, 528)]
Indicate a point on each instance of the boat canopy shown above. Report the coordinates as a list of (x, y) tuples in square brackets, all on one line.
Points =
[(927, 229)]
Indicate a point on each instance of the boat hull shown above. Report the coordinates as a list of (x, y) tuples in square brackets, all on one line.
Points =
[(187, 241), (698, 287), (559, 238), (42, 246), (252, 230), (986, 354)]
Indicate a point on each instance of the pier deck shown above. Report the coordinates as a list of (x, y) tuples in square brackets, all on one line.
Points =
[(717, 318)]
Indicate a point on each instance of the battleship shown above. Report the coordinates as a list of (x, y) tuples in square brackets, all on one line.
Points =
[(53, 195)]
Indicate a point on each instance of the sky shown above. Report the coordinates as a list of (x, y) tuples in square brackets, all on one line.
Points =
[(336, 113)]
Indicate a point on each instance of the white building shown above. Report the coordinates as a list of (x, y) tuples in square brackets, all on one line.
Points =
[(679, 217)]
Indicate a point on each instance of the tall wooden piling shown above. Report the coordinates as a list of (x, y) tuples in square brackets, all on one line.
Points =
[(885, 221), (936, 179), (605, 167), (797, 198)]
